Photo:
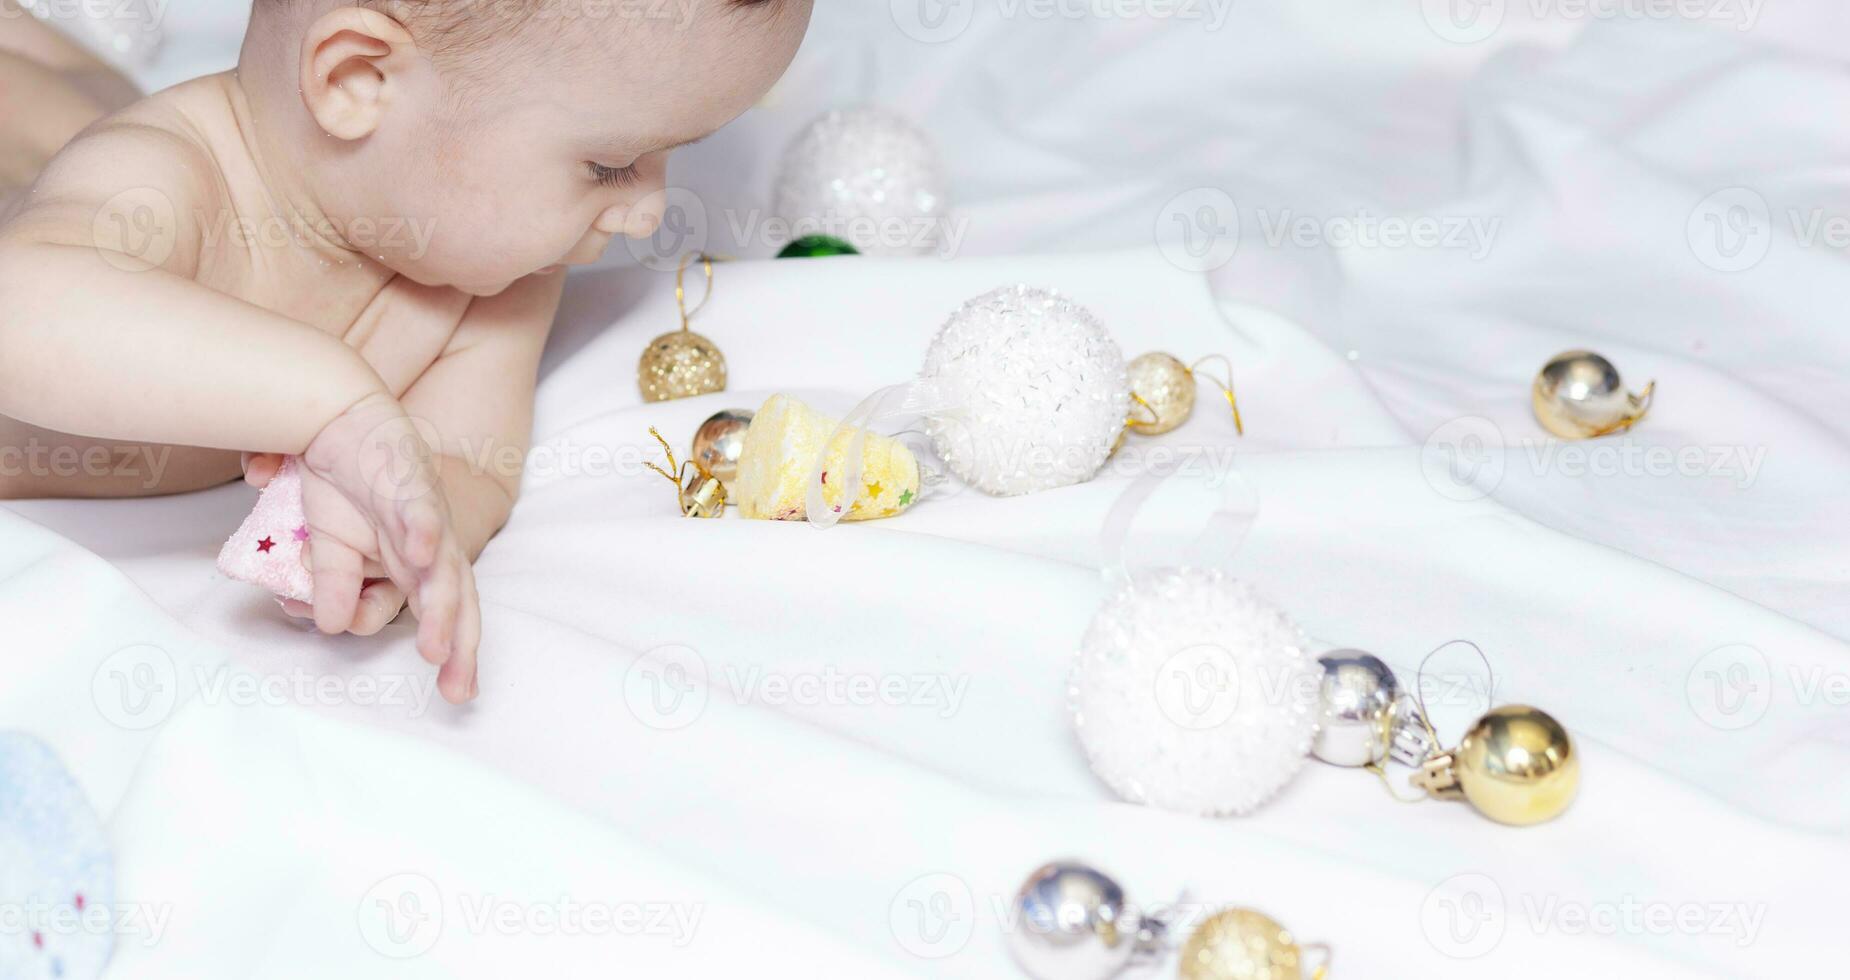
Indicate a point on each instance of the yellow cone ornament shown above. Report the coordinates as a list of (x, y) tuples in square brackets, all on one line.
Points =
[(780, 453)]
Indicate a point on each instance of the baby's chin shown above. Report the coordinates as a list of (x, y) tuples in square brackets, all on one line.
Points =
[(497, 287)]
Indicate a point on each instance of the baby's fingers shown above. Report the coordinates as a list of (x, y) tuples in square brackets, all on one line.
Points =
[(336, 571), (457, 680), (380, 603), (437, 596), (260, 468)]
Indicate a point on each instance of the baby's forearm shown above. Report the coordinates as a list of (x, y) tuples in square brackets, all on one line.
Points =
[(95, 350), (479, 502)]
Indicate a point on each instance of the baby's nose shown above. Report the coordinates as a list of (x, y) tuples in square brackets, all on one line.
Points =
[(646, 215)]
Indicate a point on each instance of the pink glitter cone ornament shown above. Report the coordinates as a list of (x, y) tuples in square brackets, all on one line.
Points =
[(267, 548)]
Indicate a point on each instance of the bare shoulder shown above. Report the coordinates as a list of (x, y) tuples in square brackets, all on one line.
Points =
[(136, 186)]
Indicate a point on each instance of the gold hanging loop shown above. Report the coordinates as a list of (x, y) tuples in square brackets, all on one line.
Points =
[(680, 288), (1225, 387)]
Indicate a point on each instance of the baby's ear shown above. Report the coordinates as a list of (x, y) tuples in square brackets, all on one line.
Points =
[(350, 57)]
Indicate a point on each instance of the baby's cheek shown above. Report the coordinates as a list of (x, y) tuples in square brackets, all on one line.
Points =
[(482, 246)]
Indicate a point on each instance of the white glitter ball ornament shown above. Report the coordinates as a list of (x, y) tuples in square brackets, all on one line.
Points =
[(1193, 694), (867, 176), (1037, 389)]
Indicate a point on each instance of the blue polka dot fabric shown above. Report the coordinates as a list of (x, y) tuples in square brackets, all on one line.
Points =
[(58, 915)]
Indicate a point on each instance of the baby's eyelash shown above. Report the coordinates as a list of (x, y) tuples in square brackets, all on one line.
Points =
[(612, 176)]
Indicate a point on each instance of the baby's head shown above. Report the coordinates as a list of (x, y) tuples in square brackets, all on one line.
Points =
[(519, 134)]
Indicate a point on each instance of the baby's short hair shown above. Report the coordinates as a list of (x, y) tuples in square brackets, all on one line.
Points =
[(460, 27)]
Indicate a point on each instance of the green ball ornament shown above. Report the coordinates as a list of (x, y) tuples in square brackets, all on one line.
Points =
[(817, 246)]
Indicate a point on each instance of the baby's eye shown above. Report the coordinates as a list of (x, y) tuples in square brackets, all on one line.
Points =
[(612, 176)]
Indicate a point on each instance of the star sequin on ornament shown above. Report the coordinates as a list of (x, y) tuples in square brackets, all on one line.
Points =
[(874, 488), (265, 545), (905, 498), (301, 533)]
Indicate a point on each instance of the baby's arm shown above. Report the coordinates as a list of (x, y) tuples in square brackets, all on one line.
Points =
[(478, 401), (473, 408), (104, 333)]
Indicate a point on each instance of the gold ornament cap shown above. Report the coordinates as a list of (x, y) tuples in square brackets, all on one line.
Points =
[(1241, 944), (1517, 766), (699, 492)]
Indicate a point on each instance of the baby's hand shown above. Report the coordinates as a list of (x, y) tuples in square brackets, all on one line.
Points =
[(370, 490)]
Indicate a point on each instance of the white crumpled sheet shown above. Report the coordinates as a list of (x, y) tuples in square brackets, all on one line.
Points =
[(1687, 628)]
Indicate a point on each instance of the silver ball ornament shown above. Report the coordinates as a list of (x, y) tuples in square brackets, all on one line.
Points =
[(867, 176), (1193, 694), (1070, 923), (1038, 390), (1357, 707), (1578, 395)]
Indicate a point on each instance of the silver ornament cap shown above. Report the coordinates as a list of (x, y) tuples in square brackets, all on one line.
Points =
[(1070, 923)]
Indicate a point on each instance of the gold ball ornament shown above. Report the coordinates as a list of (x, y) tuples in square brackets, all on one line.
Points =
[(680, 364), (1578, 395), (1240, 944), (719, 442), (1516, 766), (1162, 393)]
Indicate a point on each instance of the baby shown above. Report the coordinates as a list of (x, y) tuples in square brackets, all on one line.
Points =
[(347, 249)]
